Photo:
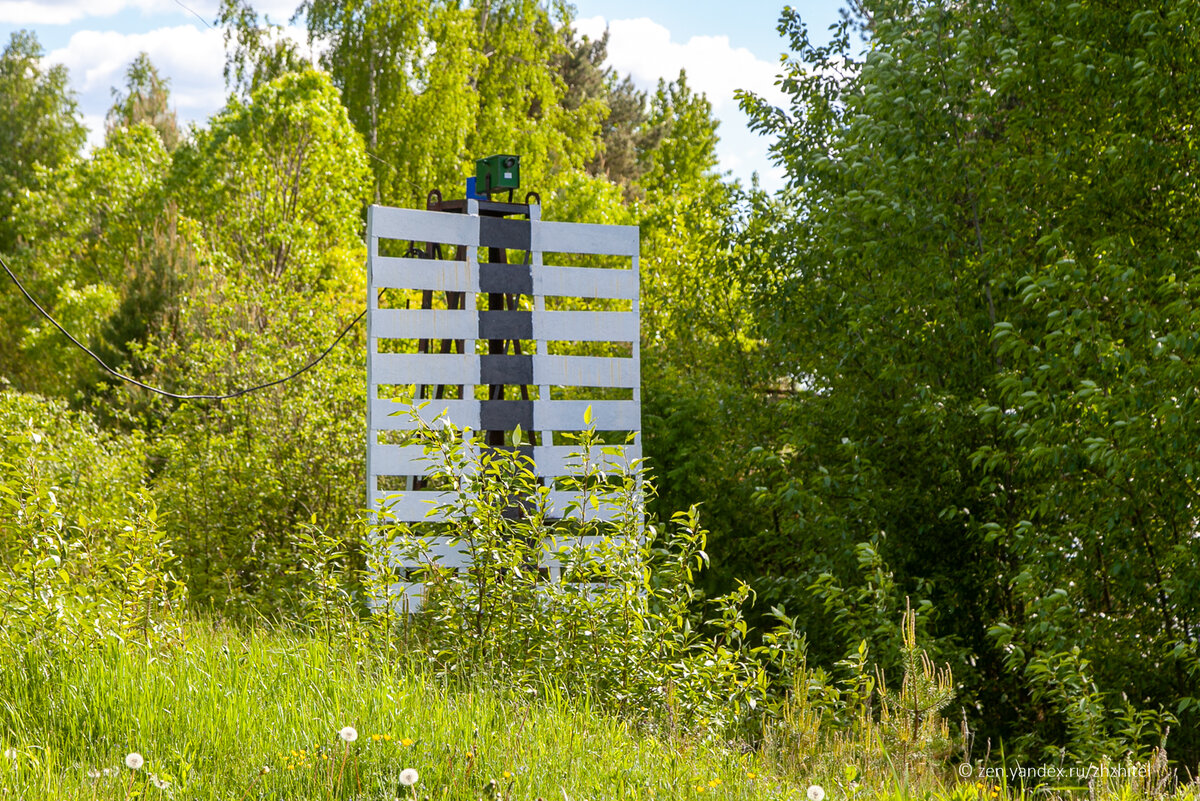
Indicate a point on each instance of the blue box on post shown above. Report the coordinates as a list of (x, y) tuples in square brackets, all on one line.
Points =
[(471, 193)]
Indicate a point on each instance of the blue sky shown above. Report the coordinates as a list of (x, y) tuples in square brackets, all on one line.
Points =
[(723, 45)]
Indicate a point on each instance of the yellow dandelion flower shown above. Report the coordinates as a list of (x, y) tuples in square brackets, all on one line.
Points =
[(507, 775), (376, 737), (294, 753), (407, 741), (387, 738), (751, 774), (714, 783)]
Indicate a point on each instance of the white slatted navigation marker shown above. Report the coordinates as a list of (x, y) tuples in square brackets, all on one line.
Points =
[(556, 268)]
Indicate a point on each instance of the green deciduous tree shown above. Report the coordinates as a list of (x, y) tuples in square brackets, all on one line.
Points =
[(146, 98), (256, 51), (432, 86), (982, 302), (275, 187), (101, 249), (39, 123)]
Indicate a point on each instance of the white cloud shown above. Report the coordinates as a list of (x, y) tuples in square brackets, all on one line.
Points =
[(192, 58), (64, 12), (644, 50)]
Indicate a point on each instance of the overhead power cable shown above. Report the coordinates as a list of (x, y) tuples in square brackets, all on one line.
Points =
[(235, 394)]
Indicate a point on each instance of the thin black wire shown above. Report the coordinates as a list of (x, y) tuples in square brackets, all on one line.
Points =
[(235, 394), (185, 8)]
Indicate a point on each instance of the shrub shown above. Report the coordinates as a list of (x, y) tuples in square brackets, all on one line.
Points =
[(81, 554)]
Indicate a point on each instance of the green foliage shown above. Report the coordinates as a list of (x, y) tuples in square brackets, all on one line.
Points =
[(911, 718), (209, 719), (275, 186), (102, 250), (462, 81), (278, 183), (981, 302), (594, 604), (79, 563), (39, 123), (627, 139), (146, 99), (953, 361), (256, 53)]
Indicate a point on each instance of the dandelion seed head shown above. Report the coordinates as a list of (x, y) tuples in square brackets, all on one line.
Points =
[(10, 753), (161, 784), (409, 776), (134, 761), (94, 773), (349, 734), (816, 793)]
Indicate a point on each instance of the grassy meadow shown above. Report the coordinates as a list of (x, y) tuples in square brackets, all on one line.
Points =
[(257, 714), (262, 713)]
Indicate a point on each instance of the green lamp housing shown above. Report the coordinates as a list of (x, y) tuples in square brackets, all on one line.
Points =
[(497, 173)]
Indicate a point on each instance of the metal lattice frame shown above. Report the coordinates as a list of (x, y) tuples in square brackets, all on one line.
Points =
[(465, 235)]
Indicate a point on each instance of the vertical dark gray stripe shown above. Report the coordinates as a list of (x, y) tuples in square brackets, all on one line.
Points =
[(505, 415), (504, 369), (497, 232), (511, 279), (505, 325)]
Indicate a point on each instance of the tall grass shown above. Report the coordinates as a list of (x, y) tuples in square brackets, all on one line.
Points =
[(210, 717)]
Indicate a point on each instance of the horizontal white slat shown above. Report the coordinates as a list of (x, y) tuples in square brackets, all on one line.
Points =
[(449, 552), (400, 460), (559, 415), (548, 370), (562, 460), (585, 282), (426, 368), (386, 222), (567, 415), (549, 460), (412, 507), (585, 371), (424, 324), (570, 326), (585, 326), (606, 511), (387, 415), (427, 506), (435, 274), (561, 237)]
